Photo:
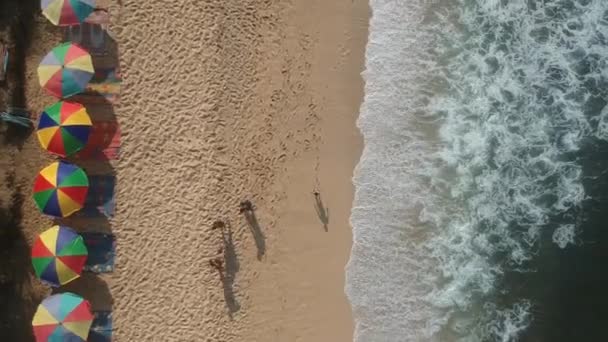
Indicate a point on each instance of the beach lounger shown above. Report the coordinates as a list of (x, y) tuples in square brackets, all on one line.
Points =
[(104, 142), (17, 116), (102, 250), (100, 198), (94, 36), (91, 36), (106, 82), (101, 329)]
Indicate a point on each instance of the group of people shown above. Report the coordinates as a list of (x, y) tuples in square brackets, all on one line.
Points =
[(246, 208)]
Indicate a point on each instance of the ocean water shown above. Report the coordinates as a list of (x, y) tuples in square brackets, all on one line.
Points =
[(481, 199)]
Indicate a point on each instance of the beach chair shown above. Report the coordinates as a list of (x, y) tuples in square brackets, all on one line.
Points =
[(101, 329), (17, 116), (100, 199), (104, 141), (102, 251)]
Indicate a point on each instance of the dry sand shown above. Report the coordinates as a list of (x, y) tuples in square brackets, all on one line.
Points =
[(236, 100), (222, 101)]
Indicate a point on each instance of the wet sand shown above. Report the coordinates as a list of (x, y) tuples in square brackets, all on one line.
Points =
[(298, 294)]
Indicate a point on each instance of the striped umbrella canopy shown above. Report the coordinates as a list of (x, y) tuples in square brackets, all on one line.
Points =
[(67, 12), (64, 128), (58, 255), (66, 70), (63, 317), (60, 189)]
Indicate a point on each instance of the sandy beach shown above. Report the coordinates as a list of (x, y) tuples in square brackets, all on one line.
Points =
[(222, 102), (299, 292)]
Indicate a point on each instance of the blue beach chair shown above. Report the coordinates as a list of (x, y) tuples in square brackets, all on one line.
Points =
[(101, 329), (102, 251), (17, 116), (100, 199)]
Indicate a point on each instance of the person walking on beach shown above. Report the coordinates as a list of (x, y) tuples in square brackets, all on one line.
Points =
[(218, 263), (245, 206)]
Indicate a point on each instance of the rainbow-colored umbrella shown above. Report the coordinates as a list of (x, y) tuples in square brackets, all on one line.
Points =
[(64, 128), (60, 189), (63, 317), (58, 255), (66, 70), (67, 12)]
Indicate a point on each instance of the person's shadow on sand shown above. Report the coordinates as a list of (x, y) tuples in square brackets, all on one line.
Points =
[(227, 267), (248, 210), (322, 211)]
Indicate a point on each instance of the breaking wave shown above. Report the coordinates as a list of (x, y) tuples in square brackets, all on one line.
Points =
[(474, 117)]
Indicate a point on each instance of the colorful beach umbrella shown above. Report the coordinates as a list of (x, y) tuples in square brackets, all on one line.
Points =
[(60, 189), (67, 12), (64, 128), (66, 70), (58, 255), (63, 317)]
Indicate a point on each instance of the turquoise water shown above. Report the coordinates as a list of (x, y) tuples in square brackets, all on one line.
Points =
[(478, 212)]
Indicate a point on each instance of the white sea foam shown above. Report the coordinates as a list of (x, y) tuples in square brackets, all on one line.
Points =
[(473, 111), (564, 235)]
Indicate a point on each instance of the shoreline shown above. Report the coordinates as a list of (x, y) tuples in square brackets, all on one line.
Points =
[(299, 292)]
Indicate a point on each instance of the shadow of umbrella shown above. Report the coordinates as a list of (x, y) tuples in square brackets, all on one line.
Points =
[(91, 287)]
